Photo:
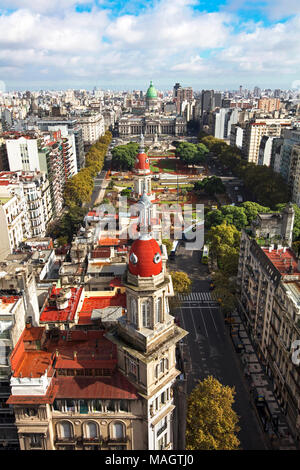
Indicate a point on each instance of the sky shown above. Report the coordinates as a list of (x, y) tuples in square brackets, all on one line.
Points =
[(123, 44)]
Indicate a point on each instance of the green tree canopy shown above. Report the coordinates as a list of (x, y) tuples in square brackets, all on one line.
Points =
[(211, 422), (221, 235), (123, 156), (252, 209), (168, 244), (191, 154), (210, 185), (235, 215), (181, 282)]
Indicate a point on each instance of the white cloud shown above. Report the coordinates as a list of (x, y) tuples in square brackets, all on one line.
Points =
[(161, 42), (266, 49), (41, 6)]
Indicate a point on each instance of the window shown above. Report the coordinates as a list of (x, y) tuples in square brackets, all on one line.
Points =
[(118, 430), (110, 406), (162, 426), (146, 314), (83, 407), (70, 405), (123, 406), (66, 431), (96, 405), (133, 307), (158, 305), (30, 412), (58, 405), (35, 440), (163, 441), (91, 430)]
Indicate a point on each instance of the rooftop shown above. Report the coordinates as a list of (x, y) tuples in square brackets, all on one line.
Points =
[(72, 350), (96, 303), (52, 313), (284, 259)]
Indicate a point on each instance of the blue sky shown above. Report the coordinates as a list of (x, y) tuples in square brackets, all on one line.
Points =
[(122, 44)]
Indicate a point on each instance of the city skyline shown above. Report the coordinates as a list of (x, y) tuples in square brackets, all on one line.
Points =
[(123, 44)]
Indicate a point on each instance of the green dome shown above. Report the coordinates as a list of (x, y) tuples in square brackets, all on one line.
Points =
[(151, 92)]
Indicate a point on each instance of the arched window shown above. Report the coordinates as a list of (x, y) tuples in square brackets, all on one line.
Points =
[(65, 430), (118, 430), (146, 314), (133, 308), (91, 430), (158, 305)]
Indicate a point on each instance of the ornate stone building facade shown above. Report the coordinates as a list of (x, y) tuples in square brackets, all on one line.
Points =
[(104, 389), (130, 125)]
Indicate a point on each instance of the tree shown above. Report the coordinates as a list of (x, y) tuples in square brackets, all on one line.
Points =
[(211, 422), (223, 235), (191, 154), (213, 218), (225, 247), (79, 188), (123, 156), (168, 244), (210, 185), (181, 282), (235, 215), (252, 209)]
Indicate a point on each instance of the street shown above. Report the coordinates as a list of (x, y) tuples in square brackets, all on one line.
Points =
[(211, 351)]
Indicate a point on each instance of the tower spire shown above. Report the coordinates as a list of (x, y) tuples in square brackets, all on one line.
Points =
[(142, 144)]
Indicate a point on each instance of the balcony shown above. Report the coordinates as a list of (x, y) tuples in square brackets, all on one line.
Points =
[(116, 440), (66, 440)]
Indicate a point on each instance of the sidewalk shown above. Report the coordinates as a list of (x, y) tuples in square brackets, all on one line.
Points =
[(261, 385)]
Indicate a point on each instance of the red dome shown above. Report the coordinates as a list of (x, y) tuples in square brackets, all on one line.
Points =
[(145, 258), (142, 162)]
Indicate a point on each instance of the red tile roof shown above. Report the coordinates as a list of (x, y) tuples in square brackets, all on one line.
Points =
[(283, 261), (101, 253), (33, 363), (115, 387), (109, 241), (33, 333), (52, 314), (91, 303), (34, 399)]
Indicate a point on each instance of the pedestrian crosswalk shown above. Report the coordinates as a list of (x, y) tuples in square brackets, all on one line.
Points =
[(200, 297)]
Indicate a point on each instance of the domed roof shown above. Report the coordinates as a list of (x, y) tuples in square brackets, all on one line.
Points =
[(142, 163), (151, 92), (145, 258)]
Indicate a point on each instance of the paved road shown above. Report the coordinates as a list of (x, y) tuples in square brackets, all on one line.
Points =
[(98, 185), (210, 347)]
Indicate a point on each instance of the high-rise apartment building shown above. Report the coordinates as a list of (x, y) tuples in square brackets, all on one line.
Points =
[(92, 125), (22, 153), (269, 104), (269, 281), (255, 129), (68, 127)]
